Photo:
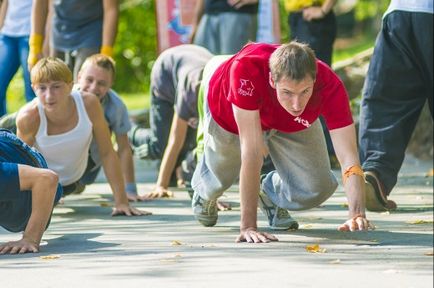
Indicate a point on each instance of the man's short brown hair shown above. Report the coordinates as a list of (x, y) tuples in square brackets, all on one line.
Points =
[(102, 61), (50, 69), (293, 61)]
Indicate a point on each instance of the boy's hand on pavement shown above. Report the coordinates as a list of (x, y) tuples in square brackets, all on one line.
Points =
[(251, 235), (19, 247), (127, 210), (357, 223), (159, 192)]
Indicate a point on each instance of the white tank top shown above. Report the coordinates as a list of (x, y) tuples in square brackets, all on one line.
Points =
[(66, 153)]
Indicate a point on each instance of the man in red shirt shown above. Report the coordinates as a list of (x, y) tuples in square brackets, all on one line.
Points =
[(264, 100)]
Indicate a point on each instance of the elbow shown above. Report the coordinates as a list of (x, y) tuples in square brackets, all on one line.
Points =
[(50, 179)]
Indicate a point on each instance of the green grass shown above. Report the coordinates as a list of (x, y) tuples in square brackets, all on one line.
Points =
[(15, 95), (347, 48), (136, 101)]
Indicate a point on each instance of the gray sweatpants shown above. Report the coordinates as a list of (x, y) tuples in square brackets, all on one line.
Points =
[(302, 179)]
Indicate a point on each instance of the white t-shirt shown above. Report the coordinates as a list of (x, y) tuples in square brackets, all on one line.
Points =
[(17, 20), (423, 6)]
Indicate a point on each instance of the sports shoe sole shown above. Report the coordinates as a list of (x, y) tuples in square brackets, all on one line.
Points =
[(374, 196), (292, 226), (206, 221)]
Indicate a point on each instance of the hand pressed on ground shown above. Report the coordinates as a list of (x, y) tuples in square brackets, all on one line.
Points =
[(158, 192), (251, 235), (127, 210), (19, 247), (356, 223)]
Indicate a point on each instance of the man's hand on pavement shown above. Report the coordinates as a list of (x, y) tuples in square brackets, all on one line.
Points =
[(127, 210), (19, 247), (159, 192), (251, 235), (357, 223)]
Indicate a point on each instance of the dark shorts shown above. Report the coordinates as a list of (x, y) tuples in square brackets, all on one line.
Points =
[(16, 205)]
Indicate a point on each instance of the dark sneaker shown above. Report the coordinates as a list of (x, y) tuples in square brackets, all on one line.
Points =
[(278, 218), (205, 211), (8, 122), (79, 188), (376, 199), (140, 117)]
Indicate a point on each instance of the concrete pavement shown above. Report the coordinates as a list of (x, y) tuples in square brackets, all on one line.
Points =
[(85, 247)]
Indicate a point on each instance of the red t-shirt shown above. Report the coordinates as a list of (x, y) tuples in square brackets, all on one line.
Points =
[(243, 80)]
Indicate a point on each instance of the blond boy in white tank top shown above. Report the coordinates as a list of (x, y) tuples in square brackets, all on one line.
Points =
[(64, 116)]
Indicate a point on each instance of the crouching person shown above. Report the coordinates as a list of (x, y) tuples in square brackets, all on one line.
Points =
[(264, 100), (28, 193)]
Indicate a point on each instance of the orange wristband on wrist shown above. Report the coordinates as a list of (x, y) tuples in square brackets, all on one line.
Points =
[(352, 170), (107, 50)]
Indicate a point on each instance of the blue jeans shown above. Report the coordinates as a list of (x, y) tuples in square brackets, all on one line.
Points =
[(13, 53)]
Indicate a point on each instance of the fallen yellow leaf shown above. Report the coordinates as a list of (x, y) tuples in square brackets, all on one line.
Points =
[(104, 204), (315, 249), (50, 257), (344, 205), (430, 173), (420, 221), (176, 243), (429, 253)]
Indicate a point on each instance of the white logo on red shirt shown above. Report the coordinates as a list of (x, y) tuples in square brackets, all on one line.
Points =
[(302, 122), (246, 88)]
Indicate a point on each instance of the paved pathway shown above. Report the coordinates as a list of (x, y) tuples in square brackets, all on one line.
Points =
[(85, 247)]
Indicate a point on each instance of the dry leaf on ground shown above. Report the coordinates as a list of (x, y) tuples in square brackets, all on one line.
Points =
[(50, 257), (315, 248), (176, 243), (420, 221)]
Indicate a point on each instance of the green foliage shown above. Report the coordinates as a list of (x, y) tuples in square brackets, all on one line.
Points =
[(370, 9), (357, 45), (136, 45), (15, 95)]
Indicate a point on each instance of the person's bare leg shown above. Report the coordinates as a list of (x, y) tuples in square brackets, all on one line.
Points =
[(43, 184)]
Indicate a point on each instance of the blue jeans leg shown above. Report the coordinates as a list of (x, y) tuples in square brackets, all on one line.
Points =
[(23, 46), (9, 63)]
